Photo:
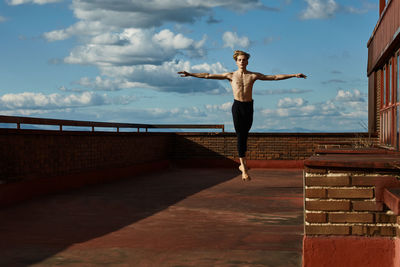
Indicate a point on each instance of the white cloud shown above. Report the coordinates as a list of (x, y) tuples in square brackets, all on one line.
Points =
[(347, 96), (232, 40), (281, 91), (29, 101), (169, 40), (123, 40), (288, 102), (323, 9), (103, 84), (81, 28), (226, 107), (345, 112), (293, 112), (299, 107), (121, 14), (366, 6), (164, 77), (134, 47), (2, 19), (39, 2), (320, 9), (165, 115)]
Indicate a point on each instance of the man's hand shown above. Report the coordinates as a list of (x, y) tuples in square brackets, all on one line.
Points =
[(301, 75), (184, 73)]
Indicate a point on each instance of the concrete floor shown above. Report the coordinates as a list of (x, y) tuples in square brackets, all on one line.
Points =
[(180, 217)]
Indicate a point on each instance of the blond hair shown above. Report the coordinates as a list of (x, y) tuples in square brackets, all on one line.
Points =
[(238, 53)]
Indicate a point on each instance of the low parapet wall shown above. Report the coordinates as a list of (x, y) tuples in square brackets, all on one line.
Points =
[(36, 162), (30, 154), (347, 222), (264, 146), (75, 158)]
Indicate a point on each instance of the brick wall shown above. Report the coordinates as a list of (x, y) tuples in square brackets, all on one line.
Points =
[(28, 154), (345, 203), (31, 154), (263, 146)]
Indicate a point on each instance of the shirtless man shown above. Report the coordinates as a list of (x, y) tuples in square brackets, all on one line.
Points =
[(242, 82)]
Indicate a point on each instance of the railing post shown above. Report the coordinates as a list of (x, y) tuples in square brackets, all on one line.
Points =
[(18, 125), (60, 127), (92, 128)]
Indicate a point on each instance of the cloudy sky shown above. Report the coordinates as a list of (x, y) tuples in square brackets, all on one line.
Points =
[(116, 60)]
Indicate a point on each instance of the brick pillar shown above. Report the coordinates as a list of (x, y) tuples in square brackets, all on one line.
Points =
[(345, 204), (346, 222)]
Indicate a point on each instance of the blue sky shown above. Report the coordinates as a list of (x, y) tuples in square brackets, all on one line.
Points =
[(117, 60)]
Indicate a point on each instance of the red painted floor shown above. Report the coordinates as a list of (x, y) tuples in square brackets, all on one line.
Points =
[(180, 217)]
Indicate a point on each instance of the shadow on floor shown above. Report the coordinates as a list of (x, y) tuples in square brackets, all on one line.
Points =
[(33, 231)]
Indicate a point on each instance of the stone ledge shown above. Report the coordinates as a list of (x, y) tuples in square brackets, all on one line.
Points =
[(354, 151), (360, 160), (391, 198)]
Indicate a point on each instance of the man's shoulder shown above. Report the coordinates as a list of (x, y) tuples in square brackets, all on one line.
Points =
[(254, 73), (229, 75)]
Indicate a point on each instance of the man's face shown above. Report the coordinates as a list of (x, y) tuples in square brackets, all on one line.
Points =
[(241, 61)]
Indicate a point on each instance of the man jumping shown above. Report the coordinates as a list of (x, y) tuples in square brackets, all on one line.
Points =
[(242, 82)]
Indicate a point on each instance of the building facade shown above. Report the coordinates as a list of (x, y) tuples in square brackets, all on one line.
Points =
[(383, 72)]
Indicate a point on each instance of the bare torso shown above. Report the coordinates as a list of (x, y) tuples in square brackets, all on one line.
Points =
[(242, 80), (242, 85)]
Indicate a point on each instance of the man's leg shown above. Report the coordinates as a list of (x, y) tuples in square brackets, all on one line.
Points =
[(242, 118), (248, 122), (242, 148)]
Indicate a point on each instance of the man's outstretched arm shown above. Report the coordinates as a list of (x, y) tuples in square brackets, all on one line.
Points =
[(279, 76), (223, 76)]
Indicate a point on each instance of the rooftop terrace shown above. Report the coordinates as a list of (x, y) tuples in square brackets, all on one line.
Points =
[(177, 198), (176, 217)]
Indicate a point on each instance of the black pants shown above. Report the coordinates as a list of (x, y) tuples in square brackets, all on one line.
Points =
[(242, 113)]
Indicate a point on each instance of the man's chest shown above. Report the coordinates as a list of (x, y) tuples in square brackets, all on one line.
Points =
[(244, 80)]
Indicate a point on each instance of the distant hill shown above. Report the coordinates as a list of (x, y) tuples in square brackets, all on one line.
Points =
[(290, 130)]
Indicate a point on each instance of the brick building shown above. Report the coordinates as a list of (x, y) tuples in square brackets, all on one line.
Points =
[(384, 75)]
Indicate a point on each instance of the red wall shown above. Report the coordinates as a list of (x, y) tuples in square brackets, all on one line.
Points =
[(350, 252)]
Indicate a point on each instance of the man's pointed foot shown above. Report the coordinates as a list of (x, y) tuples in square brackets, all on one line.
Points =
[(246, 178), (245, 175)]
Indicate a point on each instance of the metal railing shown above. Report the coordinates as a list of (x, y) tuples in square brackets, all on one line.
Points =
[(61, 123)]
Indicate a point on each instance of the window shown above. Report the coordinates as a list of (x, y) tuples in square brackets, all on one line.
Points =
[(398, 128), (398, 76), (384, 86), (390, 102), (398, 100), (390, 83)]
